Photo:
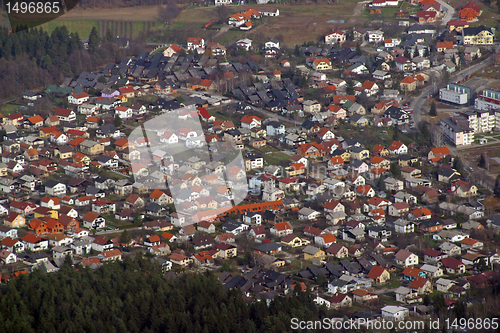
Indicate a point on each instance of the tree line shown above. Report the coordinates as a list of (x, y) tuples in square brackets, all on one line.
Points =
[(135, 296), (33, 59)]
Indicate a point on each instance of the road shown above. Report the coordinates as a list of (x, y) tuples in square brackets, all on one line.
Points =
[(449, 12), (276, 116)]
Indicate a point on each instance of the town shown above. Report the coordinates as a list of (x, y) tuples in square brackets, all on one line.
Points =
[(369, 164)]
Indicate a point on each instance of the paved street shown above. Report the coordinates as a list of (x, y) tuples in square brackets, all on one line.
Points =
[(449, 12)]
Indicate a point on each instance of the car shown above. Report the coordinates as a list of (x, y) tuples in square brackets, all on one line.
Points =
[(470, 169)]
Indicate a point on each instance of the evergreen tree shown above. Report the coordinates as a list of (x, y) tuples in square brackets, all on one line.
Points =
[(118, 121), (395, 170), (433, 111), (93, 40), (496, 189)]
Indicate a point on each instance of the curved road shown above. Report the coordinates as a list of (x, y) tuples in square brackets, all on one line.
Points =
[(449, 12)]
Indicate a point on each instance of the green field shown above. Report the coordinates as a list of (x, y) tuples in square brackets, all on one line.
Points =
[(128, 29)]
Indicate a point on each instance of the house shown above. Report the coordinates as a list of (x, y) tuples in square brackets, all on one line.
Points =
[(123, 112), (405, 65), (14, 220), (335, 37), (379, 274), (406, 258), (340, 300), (35, 243), (399, 209), (337, 250), (321, 64), (421, 214), (78, 98), (408, 84), (7, 257), (397, 148), (325, 240), (363, 296), (311, 252), (433, 256), (394, 313), (426, 16), (65, 114), (480, 35), (444, 285), (452, 265), (281, 229), (93, 220), (308, 214)]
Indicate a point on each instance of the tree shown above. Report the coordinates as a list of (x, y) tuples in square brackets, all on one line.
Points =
[(496, 190), (109, 36), (169, 12), (433, 111), (125, 237), (358, 49), (395, 170), (222, 12), (458, 165), (395, 133), (118, 121), (483, 161), (93, 40)]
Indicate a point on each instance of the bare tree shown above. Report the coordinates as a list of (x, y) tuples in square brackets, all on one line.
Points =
[(436, 133), (169, 12), (222, 12)]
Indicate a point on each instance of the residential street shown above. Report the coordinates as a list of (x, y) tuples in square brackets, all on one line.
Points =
[(449, 12)]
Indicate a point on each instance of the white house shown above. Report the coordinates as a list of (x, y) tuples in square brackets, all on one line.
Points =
[(123, 112), (394, 312), (406, 258), (78, 98)]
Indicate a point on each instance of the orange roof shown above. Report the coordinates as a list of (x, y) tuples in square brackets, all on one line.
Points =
[(375, 272), (408, 80), (49, 129), (395, 145), (167, 235), (445, 45), (156, 194), (469, 241), (377, 159), (378, 148), (329, 238), (92, 119), (35, 119), (441, 150), (76, 141), (419, 282), (363, 189), (337, 160), (282, 226)]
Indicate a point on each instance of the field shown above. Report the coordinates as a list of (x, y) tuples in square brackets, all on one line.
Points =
[(491, 151), (296, 24)]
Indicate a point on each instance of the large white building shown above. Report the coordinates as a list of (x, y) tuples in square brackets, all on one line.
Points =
[(480, 121), (456, 94), (488, 100), (457, 130)]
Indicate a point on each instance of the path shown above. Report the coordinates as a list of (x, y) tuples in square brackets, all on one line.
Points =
[(222, 31)]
